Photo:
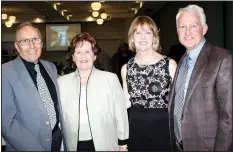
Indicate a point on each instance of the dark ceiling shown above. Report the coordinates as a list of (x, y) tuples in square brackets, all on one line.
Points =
[(80, 10)]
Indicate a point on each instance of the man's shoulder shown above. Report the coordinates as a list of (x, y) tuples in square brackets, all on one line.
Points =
[(8, 66), (46, 62), (220, 51)]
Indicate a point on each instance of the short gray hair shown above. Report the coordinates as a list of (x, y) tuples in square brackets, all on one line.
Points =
[(20, 26), (192, 8)]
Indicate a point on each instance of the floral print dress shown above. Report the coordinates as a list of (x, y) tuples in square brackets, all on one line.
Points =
[(149, 85)]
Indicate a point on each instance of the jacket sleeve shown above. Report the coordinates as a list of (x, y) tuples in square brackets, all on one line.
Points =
[(13, 131), (224, 98), (121, 116)]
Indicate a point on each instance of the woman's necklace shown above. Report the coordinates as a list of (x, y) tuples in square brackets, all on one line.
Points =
[(142, 64)]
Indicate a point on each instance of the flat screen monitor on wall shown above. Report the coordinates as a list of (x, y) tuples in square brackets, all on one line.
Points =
[(59, 36)]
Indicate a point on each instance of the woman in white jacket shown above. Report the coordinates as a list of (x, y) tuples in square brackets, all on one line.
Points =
[(93, 104)]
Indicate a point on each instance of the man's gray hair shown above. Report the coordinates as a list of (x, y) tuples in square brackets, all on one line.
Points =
[(192, 8), (27, 24)]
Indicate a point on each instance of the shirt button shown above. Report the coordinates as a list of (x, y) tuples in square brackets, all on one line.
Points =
[(47, 139), (47, 122)]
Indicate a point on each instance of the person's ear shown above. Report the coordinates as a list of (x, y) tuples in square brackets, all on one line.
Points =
[(95, 57), (16, 46), (42, 44), (205, 29)]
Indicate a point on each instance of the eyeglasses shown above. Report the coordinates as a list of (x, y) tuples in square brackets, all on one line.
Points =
[(26, 42)]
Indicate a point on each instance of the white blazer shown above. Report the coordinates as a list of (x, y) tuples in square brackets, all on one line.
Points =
[(106, 109)]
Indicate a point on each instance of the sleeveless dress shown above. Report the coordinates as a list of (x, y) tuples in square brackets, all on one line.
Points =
[(148, 87)]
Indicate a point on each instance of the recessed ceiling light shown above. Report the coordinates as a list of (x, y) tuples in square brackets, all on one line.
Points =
[(95, 13), (4, 16), (38, 20), (104, 15)]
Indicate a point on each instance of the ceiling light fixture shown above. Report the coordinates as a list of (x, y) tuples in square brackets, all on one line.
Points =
[(62, 13), (4, 16), (90, 19), (99, 21), (96, 6), (95, 13), (12, 18), (68, 17), (38, 20), (140, 5), (55, 6), (104, 15), (8, 24)]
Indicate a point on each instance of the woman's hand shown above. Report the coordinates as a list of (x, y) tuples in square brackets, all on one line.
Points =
[(123, 148)]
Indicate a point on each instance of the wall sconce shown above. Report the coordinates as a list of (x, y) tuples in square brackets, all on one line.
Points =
[(12, 18), (99, 21), (8, 24), (95, 13), (4, 16), (104, 15), (96, 6)]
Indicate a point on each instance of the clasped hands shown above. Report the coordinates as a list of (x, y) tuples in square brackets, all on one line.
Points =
[(123, 148)]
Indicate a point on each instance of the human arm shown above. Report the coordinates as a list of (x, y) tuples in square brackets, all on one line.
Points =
[(125, 88), (14, 131), (120, 111), (172, 68), (224, 98)]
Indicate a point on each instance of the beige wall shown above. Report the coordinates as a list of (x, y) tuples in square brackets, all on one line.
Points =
[(109, 36)]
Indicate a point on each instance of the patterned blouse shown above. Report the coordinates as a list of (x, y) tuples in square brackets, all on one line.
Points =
[(149, 85)]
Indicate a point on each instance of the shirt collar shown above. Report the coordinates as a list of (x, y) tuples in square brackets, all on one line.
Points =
[(193, 54), (29, 65)]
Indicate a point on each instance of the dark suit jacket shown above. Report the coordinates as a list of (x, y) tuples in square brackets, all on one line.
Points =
[(24, 116), (206, 121)]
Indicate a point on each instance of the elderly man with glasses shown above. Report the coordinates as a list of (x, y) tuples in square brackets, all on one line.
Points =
[(30, 97)]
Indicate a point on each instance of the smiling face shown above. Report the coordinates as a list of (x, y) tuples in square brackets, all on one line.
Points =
[(190, 31), (84, 56), (31, 52), (143, 39)]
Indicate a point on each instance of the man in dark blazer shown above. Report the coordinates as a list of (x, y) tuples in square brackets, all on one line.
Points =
[(25, 120), (200, 106)]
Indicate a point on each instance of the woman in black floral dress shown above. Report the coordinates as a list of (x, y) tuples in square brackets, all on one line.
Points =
[(146, 81)]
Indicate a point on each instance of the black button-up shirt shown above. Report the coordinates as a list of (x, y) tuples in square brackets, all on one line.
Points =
[(57, 135)]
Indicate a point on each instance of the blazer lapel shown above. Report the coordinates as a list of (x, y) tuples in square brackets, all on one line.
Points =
[(197, 71), (51, 75), (27, 81)]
